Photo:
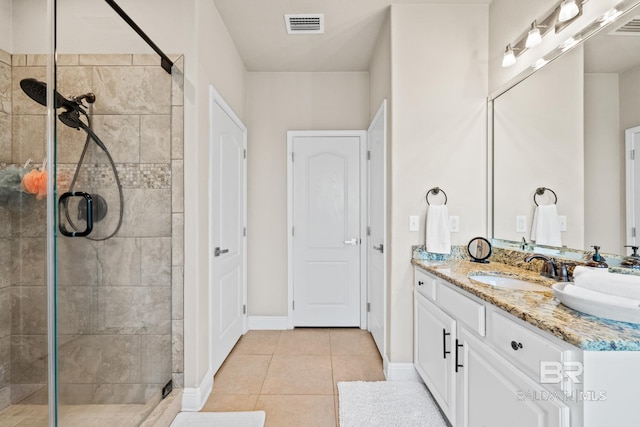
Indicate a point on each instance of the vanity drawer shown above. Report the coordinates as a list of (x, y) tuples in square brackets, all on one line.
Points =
[(524, 348), (461, 307), (425, 284)]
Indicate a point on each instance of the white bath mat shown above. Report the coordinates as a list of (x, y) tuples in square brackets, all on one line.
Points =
[(388, 404), (219, 419)]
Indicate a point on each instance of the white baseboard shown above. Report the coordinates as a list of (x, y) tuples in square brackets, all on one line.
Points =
[(194, 398), (262, 323), (400, 371)]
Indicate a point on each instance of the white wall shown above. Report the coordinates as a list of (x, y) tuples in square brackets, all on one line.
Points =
[(439, 89), (603, 164), (6, 25), (538, 142), (277, 102)]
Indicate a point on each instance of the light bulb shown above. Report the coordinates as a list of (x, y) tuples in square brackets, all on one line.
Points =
[(568, 10), (534, 38), (509, 57)]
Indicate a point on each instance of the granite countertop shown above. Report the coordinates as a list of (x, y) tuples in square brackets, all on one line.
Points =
[(540, 309)]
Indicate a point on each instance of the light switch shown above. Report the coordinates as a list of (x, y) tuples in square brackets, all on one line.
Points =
[(414, 224), (454, 224), (563, 222), (521, 224)]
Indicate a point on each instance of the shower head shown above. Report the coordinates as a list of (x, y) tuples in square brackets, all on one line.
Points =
[(37, 91)]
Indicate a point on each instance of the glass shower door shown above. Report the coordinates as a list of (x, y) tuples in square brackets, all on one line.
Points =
[(114, 263)]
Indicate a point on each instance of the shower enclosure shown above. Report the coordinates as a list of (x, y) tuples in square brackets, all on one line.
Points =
[(90, 218)]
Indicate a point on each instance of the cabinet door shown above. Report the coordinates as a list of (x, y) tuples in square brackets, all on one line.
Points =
[(435, 335), (492, 392)]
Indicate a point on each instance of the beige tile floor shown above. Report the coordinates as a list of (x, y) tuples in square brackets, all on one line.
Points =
[(292, 375)]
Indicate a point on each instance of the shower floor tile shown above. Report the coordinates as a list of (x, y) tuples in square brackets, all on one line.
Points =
[(75, 415)]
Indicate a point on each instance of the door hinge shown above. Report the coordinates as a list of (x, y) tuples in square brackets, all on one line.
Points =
[(293, 231), (633, 232), (293, 305), (369, 155), (633, 154), (245, 153), (244, 232), (368, 230), (244, 309), (368, 307), (292, 157)]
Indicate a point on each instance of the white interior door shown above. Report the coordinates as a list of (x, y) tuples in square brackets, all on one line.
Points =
[(326, 230), (376, 242), (227, 221), (632, 156)]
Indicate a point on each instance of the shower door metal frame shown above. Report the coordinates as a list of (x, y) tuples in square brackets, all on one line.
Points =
[(51, 249)]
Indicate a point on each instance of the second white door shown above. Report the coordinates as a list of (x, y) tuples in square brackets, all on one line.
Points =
[(326, 230), (228, 212)]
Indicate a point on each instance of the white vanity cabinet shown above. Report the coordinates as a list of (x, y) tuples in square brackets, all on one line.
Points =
[(460, 358), (435, 332), (493, 392)]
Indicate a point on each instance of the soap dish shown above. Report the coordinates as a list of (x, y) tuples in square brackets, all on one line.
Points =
[(601, 309)]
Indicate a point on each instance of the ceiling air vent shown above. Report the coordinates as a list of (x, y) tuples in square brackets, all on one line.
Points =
[(631, 28), (305, 24)]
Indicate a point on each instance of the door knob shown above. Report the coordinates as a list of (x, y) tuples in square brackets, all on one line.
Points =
[(352, 242), (379, 248)]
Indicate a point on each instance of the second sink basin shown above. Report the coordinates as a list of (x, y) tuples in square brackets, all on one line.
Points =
[(508, 282)]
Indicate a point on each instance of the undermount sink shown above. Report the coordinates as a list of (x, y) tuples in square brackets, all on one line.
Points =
[(508, 282)]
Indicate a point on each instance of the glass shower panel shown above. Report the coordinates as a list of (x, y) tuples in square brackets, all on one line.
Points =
[(23, 226), (114, 179)]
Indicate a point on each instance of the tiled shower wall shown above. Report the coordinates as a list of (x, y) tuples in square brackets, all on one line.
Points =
[(119, 300)]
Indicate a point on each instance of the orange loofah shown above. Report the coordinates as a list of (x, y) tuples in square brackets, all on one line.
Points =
[(35, 182)]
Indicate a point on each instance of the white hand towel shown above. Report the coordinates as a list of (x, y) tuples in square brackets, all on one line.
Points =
[(600, 280), (545, 229), (600, 296), (438, 237)]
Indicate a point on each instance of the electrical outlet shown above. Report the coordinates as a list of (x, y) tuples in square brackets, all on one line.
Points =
[(414, 224), (454, 224), (521, 224), (563, 222)]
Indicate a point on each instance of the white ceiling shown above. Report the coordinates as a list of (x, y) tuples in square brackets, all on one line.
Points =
[(351, 31)]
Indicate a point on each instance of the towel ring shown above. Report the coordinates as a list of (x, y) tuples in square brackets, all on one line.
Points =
[(436, 191), (540, 191)]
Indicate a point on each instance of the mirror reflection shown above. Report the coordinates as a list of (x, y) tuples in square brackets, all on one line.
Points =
[(570, 127)]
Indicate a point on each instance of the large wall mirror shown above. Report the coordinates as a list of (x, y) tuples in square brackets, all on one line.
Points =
[(563, 128)]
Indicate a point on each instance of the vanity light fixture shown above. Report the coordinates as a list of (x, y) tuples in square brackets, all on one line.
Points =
[(557, 19), (534, 38), (509, 57), (568, 10)]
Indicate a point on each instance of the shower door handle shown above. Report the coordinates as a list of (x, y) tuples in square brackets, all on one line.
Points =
[(63, 202)]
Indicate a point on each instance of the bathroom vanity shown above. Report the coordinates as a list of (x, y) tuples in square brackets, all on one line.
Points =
[(494, 356)]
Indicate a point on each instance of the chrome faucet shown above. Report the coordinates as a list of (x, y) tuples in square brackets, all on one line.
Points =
[(552, 268)]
